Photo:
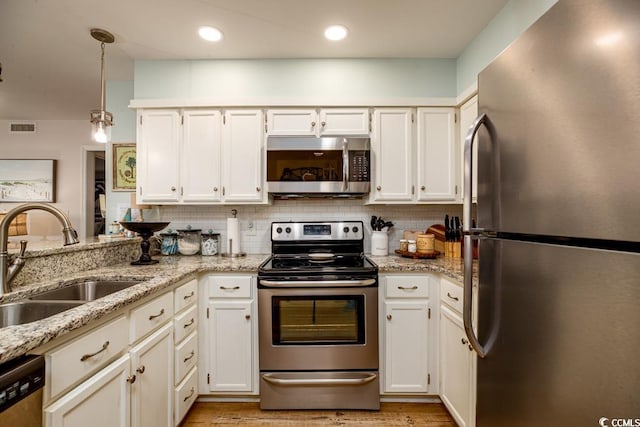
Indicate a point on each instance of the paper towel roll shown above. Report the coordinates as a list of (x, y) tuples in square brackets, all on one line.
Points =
[(233, 233)]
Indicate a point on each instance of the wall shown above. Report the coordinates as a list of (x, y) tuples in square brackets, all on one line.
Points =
[(61, 140), (515, 17), (208, 217)]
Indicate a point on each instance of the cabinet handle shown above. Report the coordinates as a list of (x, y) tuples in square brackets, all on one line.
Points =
[(323, 124), (215, 188), (189, 296), (413, 288), (186, 359), (388, 317), (153, 316), (173, 188), (452, 297), (423, 188), (225, 288), (186, 325), (89, 356), (223, 191), (141, 369), (190, 394), (378, 188), (247, 316), (131, 379)]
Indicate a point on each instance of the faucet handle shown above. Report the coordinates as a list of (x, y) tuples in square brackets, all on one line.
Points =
[(23, 247)]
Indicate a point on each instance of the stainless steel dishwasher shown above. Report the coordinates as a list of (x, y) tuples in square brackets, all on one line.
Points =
[(21, 382)]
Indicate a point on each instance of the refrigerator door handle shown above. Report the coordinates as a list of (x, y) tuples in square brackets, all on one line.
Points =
[(470, 234), (468, 295)]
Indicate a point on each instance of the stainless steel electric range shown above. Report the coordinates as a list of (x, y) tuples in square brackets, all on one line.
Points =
[(318, 319)]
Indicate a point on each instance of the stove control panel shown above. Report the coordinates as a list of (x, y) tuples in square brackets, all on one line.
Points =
[(308, 231)]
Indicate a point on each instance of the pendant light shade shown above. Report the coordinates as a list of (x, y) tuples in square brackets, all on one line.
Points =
[(101, 120)]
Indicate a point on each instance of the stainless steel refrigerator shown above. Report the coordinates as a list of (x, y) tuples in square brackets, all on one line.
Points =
[(558, 222)]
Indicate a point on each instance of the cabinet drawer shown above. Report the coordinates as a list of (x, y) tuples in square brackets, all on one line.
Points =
[(149, 316), (186, 357), (451, 294), (407, 287), (82, 357), (185, 394), (185, 295), (185, 323), (230, 287)]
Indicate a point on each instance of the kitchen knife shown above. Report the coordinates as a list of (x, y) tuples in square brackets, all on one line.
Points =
[(373, 222)]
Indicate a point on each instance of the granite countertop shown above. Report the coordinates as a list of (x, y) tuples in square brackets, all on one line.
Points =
[(20, 339)]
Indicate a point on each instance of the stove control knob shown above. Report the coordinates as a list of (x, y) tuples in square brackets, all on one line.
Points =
[(279, 230), (287, 230), (354, 229), (346, 229)]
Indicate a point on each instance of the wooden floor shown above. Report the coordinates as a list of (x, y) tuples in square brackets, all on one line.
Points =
[(249, 414)]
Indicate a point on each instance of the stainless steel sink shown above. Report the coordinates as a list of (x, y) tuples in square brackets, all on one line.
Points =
[(19, 312), (85, 291)]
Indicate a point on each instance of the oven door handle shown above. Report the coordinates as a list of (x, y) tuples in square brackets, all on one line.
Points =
[(321, 283), (272, 379)]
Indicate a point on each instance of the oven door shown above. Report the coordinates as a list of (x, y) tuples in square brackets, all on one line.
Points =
[(318, 328)]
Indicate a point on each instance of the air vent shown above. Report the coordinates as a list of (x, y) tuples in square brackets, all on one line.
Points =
[(23, 127)]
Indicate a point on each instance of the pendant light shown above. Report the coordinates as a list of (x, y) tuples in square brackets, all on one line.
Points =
[(101, 120)]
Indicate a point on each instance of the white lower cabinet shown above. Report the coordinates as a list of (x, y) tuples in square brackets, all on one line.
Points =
[(230, 364), (457, 359), (184, 383), (408, 335)]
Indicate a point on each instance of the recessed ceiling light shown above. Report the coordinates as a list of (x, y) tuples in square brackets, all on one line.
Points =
[(609, 39), (210, 34), (336, 32)]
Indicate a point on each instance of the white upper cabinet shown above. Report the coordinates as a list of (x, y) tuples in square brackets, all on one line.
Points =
[(200, 156), (311, 122), (158, 162), (436, 155), (392, 155), (242, 151), (468, 113)]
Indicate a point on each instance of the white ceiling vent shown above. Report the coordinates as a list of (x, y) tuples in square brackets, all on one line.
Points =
[(23, 127)]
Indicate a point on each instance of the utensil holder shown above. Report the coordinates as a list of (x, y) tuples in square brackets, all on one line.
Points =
[(379, 243)]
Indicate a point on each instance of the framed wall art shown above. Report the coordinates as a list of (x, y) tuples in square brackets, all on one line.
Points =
[(124, 167), (27, 180)]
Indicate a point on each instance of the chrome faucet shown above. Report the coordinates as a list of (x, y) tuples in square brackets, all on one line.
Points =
[(8, 271)]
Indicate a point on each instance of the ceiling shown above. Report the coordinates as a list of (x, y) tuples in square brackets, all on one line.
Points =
[(51, 65)]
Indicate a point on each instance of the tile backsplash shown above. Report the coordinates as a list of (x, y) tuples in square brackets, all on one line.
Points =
[(404, 217)]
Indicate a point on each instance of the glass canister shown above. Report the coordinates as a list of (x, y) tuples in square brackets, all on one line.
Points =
[(169, 245), (210, 243), (189, 241)]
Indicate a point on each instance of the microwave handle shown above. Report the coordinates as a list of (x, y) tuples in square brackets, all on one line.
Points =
[(345, 165)]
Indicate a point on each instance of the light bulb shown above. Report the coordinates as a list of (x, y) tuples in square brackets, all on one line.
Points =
[(99, 135), (336, 32)]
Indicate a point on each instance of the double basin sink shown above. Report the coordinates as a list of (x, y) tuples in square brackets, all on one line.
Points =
[(55, 301)]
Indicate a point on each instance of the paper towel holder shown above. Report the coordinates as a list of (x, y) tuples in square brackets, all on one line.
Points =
[(230, 254)]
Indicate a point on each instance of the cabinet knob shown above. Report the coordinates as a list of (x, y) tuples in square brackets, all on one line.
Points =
[(141, 369), (378, 188), (173, 188), (313, 124), (131, 379), (258, 189), (423, 188), (388, 317), (323, 124), (247, 316), (215, 188)]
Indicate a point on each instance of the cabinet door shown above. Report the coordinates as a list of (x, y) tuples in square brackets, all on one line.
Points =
[(468, 113), (200, 156), (158, 151), (230, 346), (455, 367), (292, 122), (436, 155), (392, 152), (100, 401), (152, 391), (406, 328), (349, 121), (243, 156)]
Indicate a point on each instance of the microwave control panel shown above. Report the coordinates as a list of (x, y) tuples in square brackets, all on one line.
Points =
[(359, 166)]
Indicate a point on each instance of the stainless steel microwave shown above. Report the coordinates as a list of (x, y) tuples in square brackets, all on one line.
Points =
[(311, 166)]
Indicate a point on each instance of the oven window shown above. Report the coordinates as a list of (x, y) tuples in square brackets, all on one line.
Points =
[(312, 320), (304, 165)]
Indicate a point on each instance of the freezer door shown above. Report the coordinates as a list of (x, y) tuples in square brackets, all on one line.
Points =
[(561, 329), (564, 101)]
